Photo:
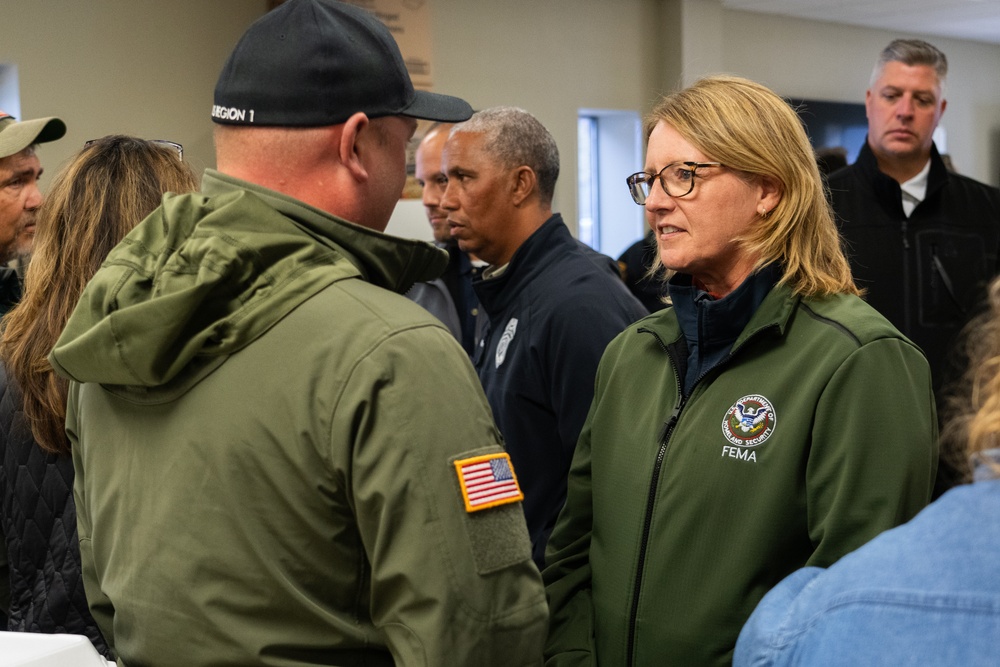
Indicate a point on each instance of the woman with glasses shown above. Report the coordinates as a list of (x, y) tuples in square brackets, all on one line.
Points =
[(98, 197), (769, 419)]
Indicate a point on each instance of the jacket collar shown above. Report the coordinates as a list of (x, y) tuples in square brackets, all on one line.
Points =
[(387, 261), (886, 189), (719, 322), (533, 256), (774, 313)]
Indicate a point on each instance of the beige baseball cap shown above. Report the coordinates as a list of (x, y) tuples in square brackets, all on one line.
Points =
[(16, 136)]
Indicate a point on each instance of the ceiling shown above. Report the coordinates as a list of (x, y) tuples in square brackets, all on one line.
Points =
[(977, 20)]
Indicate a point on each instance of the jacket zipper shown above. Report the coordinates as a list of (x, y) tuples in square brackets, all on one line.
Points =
[(668, 427), (664, 440), (906, 280)]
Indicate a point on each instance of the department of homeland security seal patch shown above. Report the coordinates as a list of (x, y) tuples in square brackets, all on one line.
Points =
[(750, 421)]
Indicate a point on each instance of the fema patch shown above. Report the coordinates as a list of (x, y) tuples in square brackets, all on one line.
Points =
[(505, 339), (750, 421)]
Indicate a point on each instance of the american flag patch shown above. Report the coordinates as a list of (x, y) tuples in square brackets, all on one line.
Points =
[(488, 481)]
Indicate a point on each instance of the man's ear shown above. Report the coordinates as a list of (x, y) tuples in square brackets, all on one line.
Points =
[(349, 148), (524, 183)]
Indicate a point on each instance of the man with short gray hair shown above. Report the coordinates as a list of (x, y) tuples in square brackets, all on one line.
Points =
[(553, 305), (922, 241)]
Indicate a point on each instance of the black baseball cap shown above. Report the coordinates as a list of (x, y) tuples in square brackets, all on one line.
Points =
[(311, 63)]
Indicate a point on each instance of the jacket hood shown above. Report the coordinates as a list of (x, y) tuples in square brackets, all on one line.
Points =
[(206, 274)]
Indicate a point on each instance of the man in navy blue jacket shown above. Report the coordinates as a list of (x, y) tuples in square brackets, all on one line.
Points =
[(553, 305)]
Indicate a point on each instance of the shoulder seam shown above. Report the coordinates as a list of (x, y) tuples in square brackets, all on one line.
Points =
[(833, 323)]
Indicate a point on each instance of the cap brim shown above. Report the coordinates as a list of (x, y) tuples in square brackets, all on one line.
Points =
[(15, 138), (433, 106)]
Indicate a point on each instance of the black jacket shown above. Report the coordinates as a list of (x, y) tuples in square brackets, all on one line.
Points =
[(10, 289), (551, 314), (926, 273), (38, 530)]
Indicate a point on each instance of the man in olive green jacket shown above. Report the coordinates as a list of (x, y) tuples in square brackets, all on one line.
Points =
[(268, 467)]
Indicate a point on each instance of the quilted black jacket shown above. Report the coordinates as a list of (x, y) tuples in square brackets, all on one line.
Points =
[(38, 527)]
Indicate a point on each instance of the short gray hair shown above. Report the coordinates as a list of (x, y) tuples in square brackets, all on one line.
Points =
[(912, 52), (516, 138)]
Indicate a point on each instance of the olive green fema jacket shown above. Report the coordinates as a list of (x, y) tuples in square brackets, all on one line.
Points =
[(681, 514)]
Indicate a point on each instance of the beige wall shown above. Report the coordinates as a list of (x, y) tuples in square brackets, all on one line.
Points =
[(148, 67), (555, 57), (551, 58), (808, 59), (142, 67)]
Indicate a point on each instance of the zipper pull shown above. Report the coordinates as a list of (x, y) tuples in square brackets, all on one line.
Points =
[(671, 421)]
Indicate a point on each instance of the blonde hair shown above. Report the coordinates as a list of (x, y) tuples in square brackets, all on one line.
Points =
[(104, 191), (751, 130), (972, 407)]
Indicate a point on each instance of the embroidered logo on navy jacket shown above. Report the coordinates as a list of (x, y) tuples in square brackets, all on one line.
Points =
[(505, 340)]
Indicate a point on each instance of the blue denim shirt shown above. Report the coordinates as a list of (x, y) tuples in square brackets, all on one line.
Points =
[(925, 593)]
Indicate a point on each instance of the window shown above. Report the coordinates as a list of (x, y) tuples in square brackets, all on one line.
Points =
[(609, 144), (10, 100), (587, 185)]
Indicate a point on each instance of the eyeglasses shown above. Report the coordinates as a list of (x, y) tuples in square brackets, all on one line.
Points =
[(676, 179), (172, 145)]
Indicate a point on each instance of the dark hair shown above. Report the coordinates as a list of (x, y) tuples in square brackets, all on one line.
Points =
[(830, 160)]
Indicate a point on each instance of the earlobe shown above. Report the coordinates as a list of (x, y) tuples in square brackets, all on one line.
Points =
[(769, 195), (349, 147)]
